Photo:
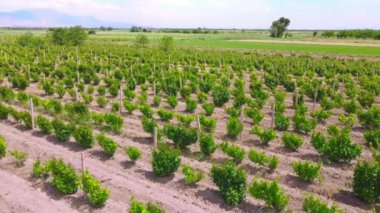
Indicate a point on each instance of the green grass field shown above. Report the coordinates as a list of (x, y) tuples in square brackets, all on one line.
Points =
[(229, 39)]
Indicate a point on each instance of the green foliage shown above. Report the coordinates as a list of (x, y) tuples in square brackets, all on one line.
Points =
[(102, 102), (97, 195), (372, 138), (208, 108), (281, 122), (3, 147), (166, 43), (108, 145), (61, 131), (234, 127), (351, 107), (207, 144), (292, 141), (232, 182), (338, 147), (26, 118), (371, 118), (65, 180), (301, 122), (29, 40), (129, 106), (207, 124), (279, 27), (185, 119), (307, 171), (265, 135), (270, 192), (114, 122), (172, 101), (192, 176), (321, 114), (149, 124), (115, 107), (133, 153), (220, 95), (84, 136), (234, 151), (262, 159), (191, 105), (44, 124), (181, 136), (165, 161), (138, 207), (165, 115), (19, 81), (68, 36), (255, 114), (39, 170), (141, 41), (4, 112), (312, 204), (366, 181)]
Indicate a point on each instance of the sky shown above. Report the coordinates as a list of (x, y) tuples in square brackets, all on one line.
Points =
[(247, 14)]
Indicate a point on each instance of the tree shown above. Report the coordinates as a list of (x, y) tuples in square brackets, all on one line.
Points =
[(279, 27), (68, 36), (141, 41), (166, 43)]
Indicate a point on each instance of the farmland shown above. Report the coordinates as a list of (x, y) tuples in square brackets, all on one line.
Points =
[(207, 129)]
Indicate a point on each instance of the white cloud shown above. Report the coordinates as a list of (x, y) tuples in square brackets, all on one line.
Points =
[(217, 13)]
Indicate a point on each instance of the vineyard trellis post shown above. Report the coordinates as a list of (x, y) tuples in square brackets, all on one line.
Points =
[(155, 137), (199, 128), (82, 161), (32, 112), (121, 99), (315, 98)]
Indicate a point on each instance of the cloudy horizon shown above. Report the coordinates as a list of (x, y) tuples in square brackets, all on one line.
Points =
[(241, 14)]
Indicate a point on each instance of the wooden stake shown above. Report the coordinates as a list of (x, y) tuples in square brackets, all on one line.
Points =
[(82, 161), (154, 88), (121, 99), (155, 137), (180, 82), (273, 109), (315, 98), (199, 127), (32, 112)]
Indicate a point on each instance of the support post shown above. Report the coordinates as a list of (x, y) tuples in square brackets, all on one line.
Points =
[(155, 137), (82, 161), (32, 112)]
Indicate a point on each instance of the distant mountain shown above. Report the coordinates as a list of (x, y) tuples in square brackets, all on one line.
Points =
[(52, 18)]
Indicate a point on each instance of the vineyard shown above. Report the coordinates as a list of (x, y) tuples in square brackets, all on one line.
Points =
[(114, 128)]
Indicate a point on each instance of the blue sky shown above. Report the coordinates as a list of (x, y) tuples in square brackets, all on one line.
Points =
[(304, 14)]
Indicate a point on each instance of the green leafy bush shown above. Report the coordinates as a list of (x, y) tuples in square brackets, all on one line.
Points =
[(3, 147), (372, 138), (129, 106), (307, 171), (301, 122), (234, 127), (165, 161), (220, 95), (321, 114), (255, 114), (146, 111), (4, 112), (192, 176), (208, 108), (292, 141), (114, 122), (207, 144), (371, 118), (182, 137), (265, 135), (270, 192), (234, 151), (65, 180), (61, 131), (84, 136), (281, 122), (165, 115), (262, 159), (185, 119), (232, 182), (366, 181), (44, 124), (207, 124), (149, 124), (115, 107), (172, 101), (26, 118), (102, 102), (108, 145), (191, 105), (313, 204), (138, 207), (97, 195), (156, 101), (338, 147), (133, 153)]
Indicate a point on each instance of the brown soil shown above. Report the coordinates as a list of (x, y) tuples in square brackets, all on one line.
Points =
[(22, 193)]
